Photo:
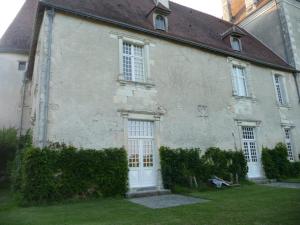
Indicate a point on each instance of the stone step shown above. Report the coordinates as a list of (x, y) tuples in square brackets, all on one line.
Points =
[(146, 192)]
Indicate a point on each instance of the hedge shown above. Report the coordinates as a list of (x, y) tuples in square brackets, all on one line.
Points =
[(276, 164), (180, 166), (62, 172)]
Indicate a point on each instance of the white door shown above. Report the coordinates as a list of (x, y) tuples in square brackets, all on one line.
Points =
[(251, 154), (140, 154)]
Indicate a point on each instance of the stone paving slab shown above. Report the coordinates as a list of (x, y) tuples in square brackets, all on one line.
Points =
[(166, 201), (284, 185)]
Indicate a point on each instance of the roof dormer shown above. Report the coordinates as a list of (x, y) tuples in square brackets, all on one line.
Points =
[(160, 14)]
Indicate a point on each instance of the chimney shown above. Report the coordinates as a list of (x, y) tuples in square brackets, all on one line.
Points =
[(227, 13), (165, 3)]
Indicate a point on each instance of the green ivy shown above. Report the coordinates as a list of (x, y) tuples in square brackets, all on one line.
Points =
[(61, 172), (276, 164), (180, 165)]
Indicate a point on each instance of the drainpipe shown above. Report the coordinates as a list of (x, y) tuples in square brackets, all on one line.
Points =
[(45, 81), (24, 81), (297, 84)]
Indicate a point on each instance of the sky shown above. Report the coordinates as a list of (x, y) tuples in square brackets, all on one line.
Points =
[(10, 8)]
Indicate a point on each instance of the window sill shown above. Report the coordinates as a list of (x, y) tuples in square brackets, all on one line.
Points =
[(246, 98), (285, 106), (148, 84)]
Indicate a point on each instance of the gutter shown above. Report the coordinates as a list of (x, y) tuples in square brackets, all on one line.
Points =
[(44, 4)]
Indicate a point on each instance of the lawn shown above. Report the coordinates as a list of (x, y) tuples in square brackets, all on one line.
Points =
[(246, 205)]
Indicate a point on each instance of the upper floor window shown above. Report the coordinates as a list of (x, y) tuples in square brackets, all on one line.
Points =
[(22, 66), (280, 90), (236, 44), (133, 62), (160, 23), (239, 81)]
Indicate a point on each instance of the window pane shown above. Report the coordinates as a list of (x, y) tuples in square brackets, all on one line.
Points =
[(280, 90), (160, 23), (240, 81), (235, 44)]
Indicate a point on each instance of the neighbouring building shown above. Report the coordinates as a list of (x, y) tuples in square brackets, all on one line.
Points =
[(145, 74), (274, 22)]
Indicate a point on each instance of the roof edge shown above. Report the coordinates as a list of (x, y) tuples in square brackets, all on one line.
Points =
[(44, 4)]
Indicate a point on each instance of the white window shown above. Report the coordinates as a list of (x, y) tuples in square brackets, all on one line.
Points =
[(236, 44), (160, 23), (288, 142), (280, 91), (249, 144), (133, 62), (22, 66), (140, 143), (239, 81)]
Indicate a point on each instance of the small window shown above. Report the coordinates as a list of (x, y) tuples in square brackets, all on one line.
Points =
[(22, 66), (160, 23), (280, 91), (288, 142), (239, 81), (236, 44), (133, 62)]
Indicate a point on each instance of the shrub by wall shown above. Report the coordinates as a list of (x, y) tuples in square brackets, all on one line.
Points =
[(8, 147), (62, 172), (179, 166), (276, 164)]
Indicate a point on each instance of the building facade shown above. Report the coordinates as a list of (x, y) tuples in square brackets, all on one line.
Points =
[(179, 78)]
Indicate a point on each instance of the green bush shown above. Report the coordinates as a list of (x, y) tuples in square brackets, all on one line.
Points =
[(276, 164), (294, 169), (62, 172), (8, 148), (181, 166)]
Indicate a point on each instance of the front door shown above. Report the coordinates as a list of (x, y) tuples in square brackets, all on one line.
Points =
[(251, 154), (141, 154)]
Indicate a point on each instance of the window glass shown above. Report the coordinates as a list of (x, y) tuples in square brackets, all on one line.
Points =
[(281, 95), (22, 66), (239, 81), (160, 22), (236, 44)]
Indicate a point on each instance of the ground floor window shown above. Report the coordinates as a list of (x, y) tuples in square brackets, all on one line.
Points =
[(288, 142), (249, 144)]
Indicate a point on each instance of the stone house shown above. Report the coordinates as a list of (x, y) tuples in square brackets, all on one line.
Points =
[(145, 74)]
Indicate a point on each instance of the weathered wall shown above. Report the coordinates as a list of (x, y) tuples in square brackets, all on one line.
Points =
[(291, 12), (11, 80), (265, 25), (85, 96)]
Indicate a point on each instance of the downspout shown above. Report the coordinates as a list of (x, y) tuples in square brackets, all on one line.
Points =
[(24, 81), (297, 84), (45, 81)]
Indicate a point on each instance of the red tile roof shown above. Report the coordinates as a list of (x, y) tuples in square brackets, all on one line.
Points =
[(17, 37), (186, 25)]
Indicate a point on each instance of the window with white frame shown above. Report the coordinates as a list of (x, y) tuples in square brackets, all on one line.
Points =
[(249, 144), (239, 81), (160, 23), (133, 62), (288, 142), (280, 91), (236, 44)]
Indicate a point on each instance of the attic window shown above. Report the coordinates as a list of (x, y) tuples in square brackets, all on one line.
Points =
[(22, 66), (236, 44), (160, 23)]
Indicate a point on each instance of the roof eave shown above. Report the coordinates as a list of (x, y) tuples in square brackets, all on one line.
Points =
[(43, 4)]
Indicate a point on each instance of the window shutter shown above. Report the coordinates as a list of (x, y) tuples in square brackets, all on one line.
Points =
[(234, 80)]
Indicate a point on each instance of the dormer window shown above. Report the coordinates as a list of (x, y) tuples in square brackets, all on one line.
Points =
[(160, 23), (236, 44)]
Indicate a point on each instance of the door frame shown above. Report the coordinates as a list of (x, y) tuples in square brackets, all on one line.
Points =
[(256, 125), (154, 117)]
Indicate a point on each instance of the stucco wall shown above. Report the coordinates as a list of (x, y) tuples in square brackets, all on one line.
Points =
[(265, 25), (85, 96), (10, 89)]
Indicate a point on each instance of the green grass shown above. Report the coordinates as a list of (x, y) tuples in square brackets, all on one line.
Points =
[(246, 205)]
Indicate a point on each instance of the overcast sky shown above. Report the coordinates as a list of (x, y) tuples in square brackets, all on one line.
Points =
[(9, 9)]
